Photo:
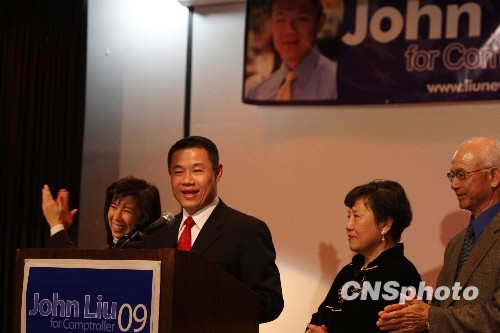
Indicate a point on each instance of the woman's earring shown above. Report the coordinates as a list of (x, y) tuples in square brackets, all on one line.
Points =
[(383, 237)]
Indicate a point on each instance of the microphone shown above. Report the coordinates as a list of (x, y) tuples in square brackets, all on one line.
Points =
[(165, 219), (138, 234)]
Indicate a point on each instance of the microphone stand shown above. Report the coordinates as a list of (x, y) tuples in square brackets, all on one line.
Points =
[(135, 234), (139, 231)]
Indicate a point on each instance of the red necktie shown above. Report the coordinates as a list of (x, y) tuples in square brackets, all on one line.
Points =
[(185, 239)]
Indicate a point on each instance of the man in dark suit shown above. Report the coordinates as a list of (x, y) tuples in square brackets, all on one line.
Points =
[(471, 259), (239, 243)]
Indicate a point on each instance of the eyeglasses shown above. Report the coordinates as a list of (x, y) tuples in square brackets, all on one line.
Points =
[(462, 174)]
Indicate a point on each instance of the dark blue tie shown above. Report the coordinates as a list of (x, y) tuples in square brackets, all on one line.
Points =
[(469, 240)]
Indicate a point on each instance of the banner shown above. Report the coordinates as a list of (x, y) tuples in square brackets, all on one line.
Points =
[(360, 51), (68, 295)]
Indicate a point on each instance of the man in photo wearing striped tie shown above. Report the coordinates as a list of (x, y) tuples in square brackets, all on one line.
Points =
[(305, 74)]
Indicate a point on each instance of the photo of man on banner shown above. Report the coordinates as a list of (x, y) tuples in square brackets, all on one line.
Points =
[(290, 53), (308, 52)]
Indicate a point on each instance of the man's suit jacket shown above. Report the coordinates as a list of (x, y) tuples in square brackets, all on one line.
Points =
[(482, 270), (241, 245), (60, 240)]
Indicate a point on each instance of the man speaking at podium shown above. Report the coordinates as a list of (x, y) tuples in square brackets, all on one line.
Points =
[(239, 243)]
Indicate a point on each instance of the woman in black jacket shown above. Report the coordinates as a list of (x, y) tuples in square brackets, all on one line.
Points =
[(378, 212)]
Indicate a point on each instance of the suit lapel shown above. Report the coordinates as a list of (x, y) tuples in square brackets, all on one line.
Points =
[(453, 262), (212, 229), (483, 244), (449, 270), (171, 238)]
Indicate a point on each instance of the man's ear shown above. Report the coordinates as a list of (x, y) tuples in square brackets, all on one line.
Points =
[(495, 177), (218, 172)]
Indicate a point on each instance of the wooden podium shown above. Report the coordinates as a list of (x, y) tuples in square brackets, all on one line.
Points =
[(195, 294)]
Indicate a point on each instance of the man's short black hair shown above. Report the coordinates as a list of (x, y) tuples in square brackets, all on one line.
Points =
[(317, 3), (196, 142)]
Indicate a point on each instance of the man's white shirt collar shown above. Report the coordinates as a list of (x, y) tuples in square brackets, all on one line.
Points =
[(200, 218)]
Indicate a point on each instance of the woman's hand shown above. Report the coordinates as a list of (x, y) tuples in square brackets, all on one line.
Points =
[(57, 211)]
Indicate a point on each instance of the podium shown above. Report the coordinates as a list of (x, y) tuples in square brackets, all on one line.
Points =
[(196, 295)]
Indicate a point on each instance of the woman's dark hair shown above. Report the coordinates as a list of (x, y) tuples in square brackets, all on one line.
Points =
[(387, 199), (146, 195)]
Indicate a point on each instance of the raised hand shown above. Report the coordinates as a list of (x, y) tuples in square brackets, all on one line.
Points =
[(57, 211)]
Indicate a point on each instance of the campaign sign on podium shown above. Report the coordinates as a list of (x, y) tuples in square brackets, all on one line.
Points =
[(80, 295)]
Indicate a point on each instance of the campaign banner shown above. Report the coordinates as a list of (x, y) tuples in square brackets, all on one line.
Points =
[(69, 295), (377, 51)]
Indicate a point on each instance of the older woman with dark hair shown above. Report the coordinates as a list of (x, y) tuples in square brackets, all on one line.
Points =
[(378, 212), (129, 202)]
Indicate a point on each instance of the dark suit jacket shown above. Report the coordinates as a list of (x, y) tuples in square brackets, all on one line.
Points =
[(241, 245), (482, 270), (60, 240)]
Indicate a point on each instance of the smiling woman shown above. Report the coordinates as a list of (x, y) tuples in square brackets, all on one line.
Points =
[(378, 212), (129, 202), (123, 215)]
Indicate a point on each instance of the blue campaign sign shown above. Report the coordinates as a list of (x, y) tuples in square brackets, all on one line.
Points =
[(371, 51), (90, 296), (419, 51)]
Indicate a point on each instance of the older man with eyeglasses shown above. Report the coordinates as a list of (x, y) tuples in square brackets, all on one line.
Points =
[(471, 259)]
